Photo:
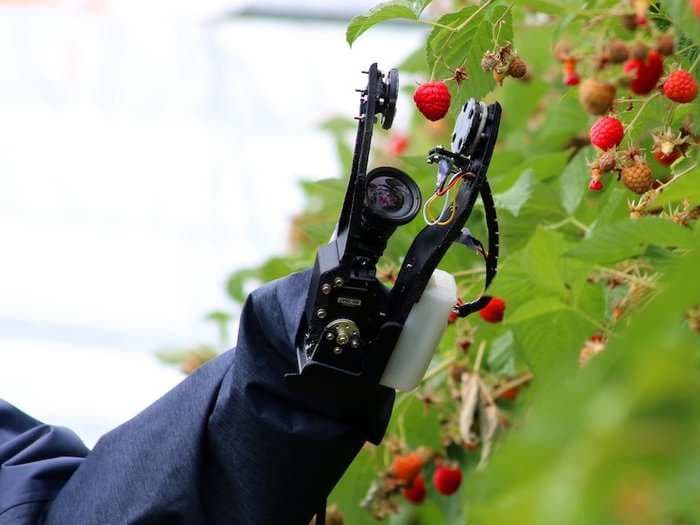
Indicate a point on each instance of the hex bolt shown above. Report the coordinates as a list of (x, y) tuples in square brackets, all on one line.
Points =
[(338, 282), (326, 288), (355, 344), (321, 313), (337, 350), (330, 336)]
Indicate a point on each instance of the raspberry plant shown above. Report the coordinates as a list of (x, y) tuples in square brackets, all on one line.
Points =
[(580, 404)]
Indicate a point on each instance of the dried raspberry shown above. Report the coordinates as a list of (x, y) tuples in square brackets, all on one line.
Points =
[(637, 177), (666, 44), (493, 311), (644, 74), (629, 21), (607, 133), (447, 480), (432, 99), (415, 492), (618, 50), (398, 144), (680, 86), (407, 466), (639, 51), (595, 185), (517, 68), (596, 97)]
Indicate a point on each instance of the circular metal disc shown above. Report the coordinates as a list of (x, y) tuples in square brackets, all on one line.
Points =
[(466, 127), (391, 93)]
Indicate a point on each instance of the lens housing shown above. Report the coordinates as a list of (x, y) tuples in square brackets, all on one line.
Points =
[(391, 197)]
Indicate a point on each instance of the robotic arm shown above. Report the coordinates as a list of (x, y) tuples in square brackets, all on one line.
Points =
[(353, 325)]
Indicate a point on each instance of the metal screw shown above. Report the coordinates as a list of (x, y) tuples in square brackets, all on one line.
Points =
[(337, 350), (338, 282), (330, 336), (321, 313), (342, 339), (355, 344), (326, 288)]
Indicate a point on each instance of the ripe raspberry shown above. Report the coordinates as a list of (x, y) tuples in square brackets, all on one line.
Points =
[(407, 466), (606, 133), (596, 97), (432, 99), (511, 394), (637, 177), (668, 147), (666, 159), (493, 311), (572, 79), (452, 317), (415, 492), (398, 144), (618, 50), (447, 480), (517, 68), (695, 5), (680, 86), (595, 185), (644, 74)]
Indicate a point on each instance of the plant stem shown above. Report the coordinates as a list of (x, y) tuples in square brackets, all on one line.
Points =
[(639, 111), (525, 378)]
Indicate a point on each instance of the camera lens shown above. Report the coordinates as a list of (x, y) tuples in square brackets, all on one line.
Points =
[(392, 196)]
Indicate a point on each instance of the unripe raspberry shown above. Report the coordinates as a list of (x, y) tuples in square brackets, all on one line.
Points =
[(637, 177), (607, 133), (596, 97), (607, 161), (407, 466), (432, 99)]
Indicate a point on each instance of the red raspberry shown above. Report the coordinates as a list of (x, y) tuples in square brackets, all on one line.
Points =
[(644, 74), (432, 99), (695, 4), (415, 492), (398, 144), (493, 311), (452, 317), (572, 79), (595, 185), (667, 158), (447, 480), (511, 394), (407, 466), (606, 133), (680, 86)]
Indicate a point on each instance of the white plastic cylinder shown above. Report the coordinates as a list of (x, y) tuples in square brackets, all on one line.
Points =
[(421, 333)]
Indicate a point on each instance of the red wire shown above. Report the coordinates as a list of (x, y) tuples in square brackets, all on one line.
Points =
[(451, 185)]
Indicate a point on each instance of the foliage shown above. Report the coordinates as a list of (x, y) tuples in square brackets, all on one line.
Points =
[(583, 273)]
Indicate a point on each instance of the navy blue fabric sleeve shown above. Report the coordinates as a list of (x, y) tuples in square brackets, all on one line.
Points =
[(231, 444), (36, 460)]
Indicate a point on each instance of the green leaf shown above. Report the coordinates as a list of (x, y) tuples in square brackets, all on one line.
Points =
[(629, 238), (237, 281), (573, 181), (514, 198), (386, 11)]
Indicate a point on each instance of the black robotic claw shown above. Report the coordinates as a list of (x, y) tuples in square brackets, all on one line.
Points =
[(352, 321)]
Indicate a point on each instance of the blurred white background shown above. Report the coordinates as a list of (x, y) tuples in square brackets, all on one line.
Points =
[(136, 149)]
